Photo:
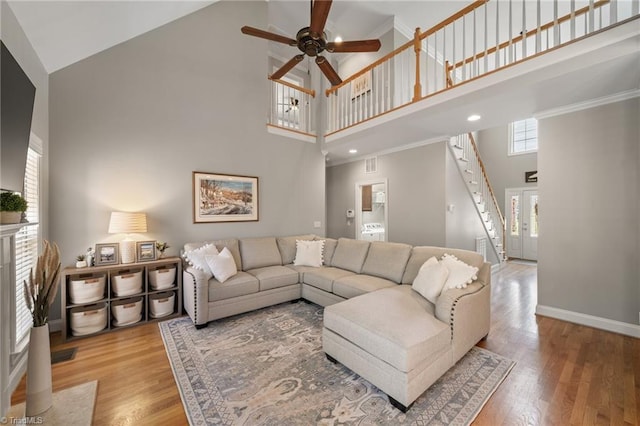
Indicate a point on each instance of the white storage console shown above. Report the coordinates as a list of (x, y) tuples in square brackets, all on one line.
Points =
[(106, 298)]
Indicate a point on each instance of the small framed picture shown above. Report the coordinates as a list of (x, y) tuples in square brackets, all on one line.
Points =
[(145, 251), (107, 254)]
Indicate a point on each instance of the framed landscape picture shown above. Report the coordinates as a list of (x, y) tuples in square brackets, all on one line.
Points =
[(224, 198), (145, 251), (107, 254)]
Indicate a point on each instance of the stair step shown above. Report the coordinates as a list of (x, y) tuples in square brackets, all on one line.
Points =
[(468, 171), (457, 146), (463, 159), (473, 182)]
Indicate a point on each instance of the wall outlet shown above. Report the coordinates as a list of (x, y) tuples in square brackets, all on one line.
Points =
[(317, 224)]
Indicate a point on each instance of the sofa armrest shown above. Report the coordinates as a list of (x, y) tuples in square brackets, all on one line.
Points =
[(195, 287), (467, 311)]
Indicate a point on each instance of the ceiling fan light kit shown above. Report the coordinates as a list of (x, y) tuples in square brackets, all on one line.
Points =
[(312, 41)]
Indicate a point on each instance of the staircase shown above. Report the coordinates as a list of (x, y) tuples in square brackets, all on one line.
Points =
[(464, 150)]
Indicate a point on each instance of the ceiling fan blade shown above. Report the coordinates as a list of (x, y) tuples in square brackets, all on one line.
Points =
[(268, 35), (286, 67), (319, 14), (328, 70), (354, 46)]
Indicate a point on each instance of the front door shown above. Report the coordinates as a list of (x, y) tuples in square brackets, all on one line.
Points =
[(522, 223), (530, 225)]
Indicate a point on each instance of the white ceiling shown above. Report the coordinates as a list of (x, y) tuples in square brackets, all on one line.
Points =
[(64, 32)]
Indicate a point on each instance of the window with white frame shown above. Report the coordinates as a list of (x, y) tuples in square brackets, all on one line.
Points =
[(523, 136), (27, 244)]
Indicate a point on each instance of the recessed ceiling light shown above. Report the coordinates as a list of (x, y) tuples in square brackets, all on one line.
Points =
[(338, 39), (353, 151), (474, 117)]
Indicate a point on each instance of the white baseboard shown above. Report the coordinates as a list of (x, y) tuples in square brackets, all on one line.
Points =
[(627, 329), (55, 325)]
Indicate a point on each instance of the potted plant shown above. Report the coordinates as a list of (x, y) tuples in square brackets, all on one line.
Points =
[(12, 205), (80, 261), (39, 294), (161, 247)]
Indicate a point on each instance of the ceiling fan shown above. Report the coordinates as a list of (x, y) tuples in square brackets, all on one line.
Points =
[(312, 41)]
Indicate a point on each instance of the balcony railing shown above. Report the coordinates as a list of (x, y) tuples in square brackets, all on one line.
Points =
[(481, 38), (291, 107)]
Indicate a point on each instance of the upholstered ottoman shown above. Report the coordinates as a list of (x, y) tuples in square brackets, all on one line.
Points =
[(391, 338)]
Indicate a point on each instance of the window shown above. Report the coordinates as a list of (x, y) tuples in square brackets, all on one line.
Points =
[(523, 136), (27, 244)]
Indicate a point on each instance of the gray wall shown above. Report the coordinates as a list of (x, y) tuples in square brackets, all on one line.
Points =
[(130, 124), (416, 195), (352, 63), (16, 41), (504, 171), (589, 187)]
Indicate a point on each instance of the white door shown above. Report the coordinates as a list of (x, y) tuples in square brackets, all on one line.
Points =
[(513, 199), (522, 223), (530, 225)]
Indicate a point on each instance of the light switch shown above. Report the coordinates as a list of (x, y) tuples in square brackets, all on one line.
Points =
[(317, 224)]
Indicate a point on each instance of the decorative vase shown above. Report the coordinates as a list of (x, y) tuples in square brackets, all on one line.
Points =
[(10, 217), (39, 389)]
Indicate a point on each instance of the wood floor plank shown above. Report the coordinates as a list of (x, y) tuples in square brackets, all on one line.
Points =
[(566, 374)]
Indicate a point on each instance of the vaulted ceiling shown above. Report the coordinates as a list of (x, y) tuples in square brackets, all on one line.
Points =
[(64, 32)]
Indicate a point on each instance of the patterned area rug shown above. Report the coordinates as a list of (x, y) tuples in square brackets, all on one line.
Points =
[(267, 367)]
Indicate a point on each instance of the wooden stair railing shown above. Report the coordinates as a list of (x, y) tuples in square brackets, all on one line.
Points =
[(473, 171)]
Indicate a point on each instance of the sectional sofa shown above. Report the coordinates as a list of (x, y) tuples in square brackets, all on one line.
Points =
[(374, 322)]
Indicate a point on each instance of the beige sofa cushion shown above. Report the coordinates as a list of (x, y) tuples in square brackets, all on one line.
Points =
[(324, 277), (350, 254), (238, 285), (287, 246), (403, 332), (421, 254), (355, 285), (329, 249), (259, 252), (230, 243), (274, 276), (387, 260)]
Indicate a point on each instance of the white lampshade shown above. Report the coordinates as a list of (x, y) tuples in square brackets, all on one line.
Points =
[(127, 223)]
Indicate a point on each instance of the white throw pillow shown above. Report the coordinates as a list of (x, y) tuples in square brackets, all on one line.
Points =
[(430, 279), (309, 253), (460, 274), (196, 257), (222, 265)]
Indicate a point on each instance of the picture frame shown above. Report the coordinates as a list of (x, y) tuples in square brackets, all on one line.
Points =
[(224, 198), (107, 254), (361, 85), (145, 251)]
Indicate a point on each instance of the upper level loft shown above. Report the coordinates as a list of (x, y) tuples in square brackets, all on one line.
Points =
[(500, 59)]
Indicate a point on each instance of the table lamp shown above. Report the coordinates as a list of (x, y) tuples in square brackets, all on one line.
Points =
[(127, 223)]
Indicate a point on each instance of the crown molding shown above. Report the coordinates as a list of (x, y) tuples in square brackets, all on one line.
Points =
[(609, 99)]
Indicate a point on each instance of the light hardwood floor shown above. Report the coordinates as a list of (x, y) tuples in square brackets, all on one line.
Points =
[(565, 374)]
